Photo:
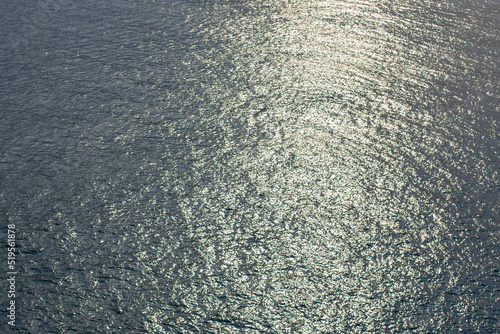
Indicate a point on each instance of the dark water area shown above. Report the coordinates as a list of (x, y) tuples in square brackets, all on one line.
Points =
[(251, 166)]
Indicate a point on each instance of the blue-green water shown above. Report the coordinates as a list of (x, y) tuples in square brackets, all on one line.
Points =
[(251, 166)]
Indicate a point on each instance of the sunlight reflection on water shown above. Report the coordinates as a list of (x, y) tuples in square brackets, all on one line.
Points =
[(254, 166)]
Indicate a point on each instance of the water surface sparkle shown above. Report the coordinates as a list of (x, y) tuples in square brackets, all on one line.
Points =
[(253, 166)]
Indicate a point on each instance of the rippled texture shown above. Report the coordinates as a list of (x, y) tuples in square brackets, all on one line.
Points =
[(252, 166)]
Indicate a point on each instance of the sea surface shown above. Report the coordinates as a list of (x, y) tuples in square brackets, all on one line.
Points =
[(251, 166)]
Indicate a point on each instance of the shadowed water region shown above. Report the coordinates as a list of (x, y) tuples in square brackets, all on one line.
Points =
[(251, 166)]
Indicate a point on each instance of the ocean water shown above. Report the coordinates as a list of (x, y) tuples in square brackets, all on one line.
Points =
[(251, 166)]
